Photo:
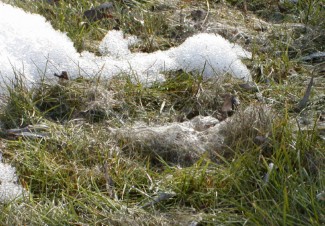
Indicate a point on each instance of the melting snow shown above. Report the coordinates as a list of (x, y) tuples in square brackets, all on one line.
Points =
[(9, 189), (30, 46)]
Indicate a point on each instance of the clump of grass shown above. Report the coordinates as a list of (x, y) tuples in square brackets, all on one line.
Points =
[(288, 181), (241, 131), (60, 102), (307, 12), (18, 108), (181, 97)]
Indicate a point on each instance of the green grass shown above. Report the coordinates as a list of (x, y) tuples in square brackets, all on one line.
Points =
[(81, 173)]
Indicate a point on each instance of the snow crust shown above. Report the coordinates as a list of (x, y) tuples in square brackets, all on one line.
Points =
[(30, 46)]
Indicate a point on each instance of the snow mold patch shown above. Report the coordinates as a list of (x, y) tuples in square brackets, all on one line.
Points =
[(177, 143), (184, 143)]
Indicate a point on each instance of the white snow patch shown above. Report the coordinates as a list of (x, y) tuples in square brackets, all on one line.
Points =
[(115, 45), (9, 189), (30, 46)]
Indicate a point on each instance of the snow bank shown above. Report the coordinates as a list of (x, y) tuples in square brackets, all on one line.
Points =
[(30, 46)]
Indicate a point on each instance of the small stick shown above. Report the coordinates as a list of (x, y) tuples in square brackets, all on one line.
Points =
[(303, 102), (161, 197), (206, 17)]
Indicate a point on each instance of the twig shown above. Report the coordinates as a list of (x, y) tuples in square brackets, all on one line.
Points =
[(303, 102), (161, 197), (109, 182), (206, 16)]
